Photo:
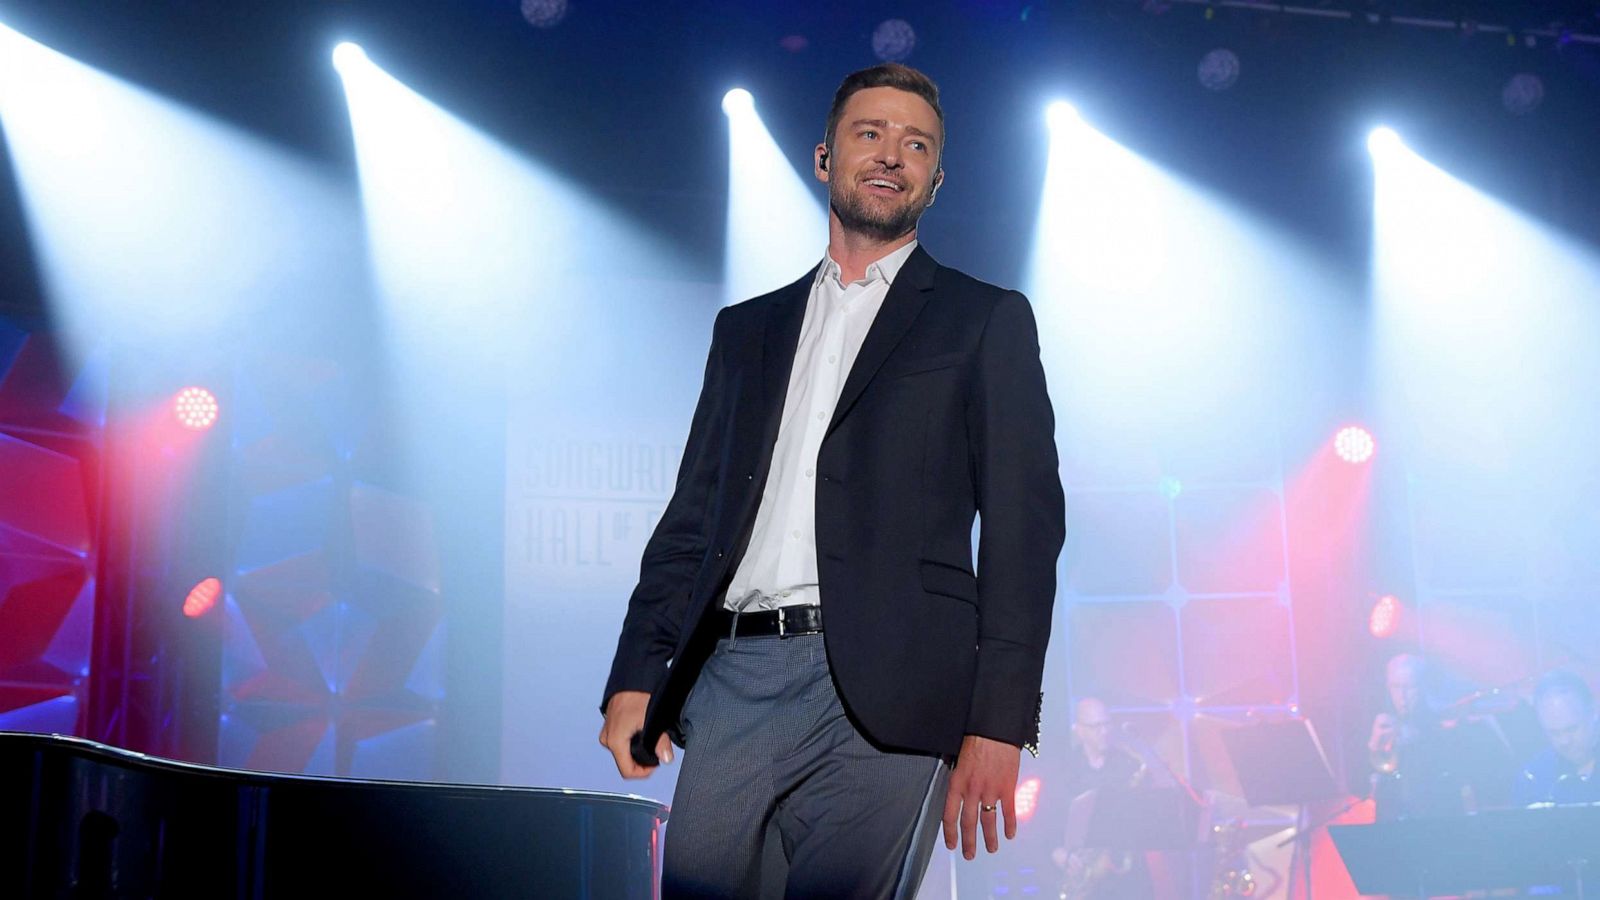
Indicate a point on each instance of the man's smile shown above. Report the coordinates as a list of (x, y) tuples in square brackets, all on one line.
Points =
[(884, 186)]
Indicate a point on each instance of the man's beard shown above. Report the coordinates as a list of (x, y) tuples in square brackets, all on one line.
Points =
[(884, 223)]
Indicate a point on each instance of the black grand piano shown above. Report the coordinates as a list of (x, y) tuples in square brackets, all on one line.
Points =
[(83, 820)]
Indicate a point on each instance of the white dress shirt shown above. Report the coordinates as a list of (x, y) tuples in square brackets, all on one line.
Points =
[(780, 566)]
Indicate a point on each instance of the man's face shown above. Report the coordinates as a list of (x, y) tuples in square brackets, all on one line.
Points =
[(1405, 686), (883, 168), (1570, 728), (1093, 726)]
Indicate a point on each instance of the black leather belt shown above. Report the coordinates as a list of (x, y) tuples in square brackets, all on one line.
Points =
[(785, 621)]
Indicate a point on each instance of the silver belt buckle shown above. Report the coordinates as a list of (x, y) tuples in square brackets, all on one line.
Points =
[(782, 615)]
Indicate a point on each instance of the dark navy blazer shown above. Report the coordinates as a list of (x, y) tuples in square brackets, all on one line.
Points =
[(944, 415)]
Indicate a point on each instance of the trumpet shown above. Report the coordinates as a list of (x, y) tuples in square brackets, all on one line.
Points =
[(1383, 748)]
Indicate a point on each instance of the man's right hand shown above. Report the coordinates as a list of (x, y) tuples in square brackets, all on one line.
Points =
[(1384, 728), (624, 719)]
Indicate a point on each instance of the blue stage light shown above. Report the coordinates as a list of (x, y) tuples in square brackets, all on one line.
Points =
[(738, 101), (347, 56), (776, 225), (1060, 114), (1384, 140)]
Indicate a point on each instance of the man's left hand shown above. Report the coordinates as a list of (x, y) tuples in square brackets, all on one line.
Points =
[(984, 782)]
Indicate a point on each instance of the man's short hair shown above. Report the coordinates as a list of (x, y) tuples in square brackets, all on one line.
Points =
[(1416, 663), (1564, 684), (892, 75)]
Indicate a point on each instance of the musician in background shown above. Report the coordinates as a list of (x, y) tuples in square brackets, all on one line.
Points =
[(1564, 772), (1409, 721), (1098, 762), (1416, 765)]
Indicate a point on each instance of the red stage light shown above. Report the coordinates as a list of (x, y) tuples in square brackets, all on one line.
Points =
[(1354, 444), (1027, 799), (202, 597), (1384, 620), (196, 408)]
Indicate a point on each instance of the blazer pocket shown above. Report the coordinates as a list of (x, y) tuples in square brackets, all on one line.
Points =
[(916, 365), (950, 581)]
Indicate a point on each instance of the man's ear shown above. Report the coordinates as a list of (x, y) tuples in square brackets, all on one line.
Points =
[(820, 162), (938, 181)]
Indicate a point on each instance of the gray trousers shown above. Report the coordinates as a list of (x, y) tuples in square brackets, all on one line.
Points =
[(780, 796)]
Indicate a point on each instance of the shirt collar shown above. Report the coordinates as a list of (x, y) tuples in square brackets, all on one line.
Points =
[(884, 269)]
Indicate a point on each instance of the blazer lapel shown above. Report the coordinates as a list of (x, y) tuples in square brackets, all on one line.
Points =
[(778, 345), (904, 302)]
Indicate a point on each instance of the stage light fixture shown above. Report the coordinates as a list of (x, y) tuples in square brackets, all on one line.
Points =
[(1383, 140), (1384, 620), (893, 40), (1027, 799), (737, 101), (195, 408), (1354, 444), (1522, 94), (544, 13), (202, 598), (1219, 69), (1061, 114), (347, 56)]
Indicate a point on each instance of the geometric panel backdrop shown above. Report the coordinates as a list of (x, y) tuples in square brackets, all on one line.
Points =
[(1237, 651), (1504, 588), (333, 644), (1120, 545), (50, 429), (1177, 609)]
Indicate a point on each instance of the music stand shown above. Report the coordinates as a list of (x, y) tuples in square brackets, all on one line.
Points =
[(1134, 819), (1282, 764), (1497, 849)]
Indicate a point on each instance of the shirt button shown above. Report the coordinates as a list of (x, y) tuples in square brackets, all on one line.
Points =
[(797, 535), (820, 417), (833, 359), (810, 472)]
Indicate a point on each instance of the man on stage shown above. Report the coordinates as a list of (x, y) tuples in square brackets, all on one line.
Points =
[(808, 624), (1414, 770), (1097, 763), (1565, 772)]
